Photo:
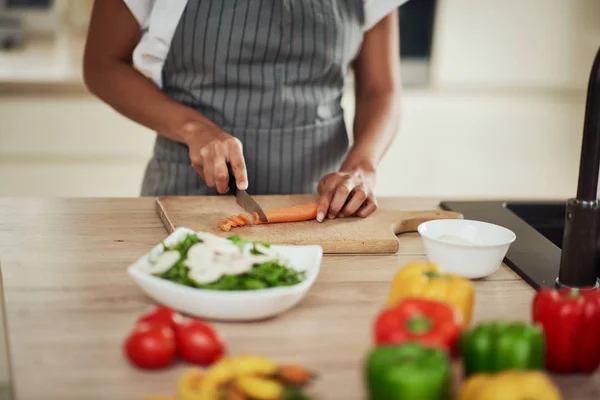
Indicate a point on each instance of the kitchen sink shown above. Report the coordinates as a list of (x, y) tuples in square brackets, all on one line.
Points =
[(539, 227)]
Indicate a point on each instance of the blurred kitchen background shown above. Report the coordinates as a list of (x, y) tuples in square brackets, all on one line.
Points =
[(493, 103)]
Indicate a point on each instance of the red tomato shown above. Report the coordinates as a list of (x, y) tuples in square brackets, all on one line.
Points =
[(150, 346), (198, 343), (162, 315)]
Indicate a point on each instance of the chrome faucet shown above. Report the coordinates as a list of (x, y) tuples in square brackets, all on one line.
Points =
[(579, 266)]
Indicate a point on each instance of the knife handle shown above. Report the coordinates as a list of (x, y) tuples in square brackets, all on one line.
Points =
[(232, 182)]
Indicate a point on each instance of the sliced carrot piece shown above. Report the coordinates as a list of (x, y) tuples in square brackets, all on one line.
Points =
[(238, 221), (225, 225), (233, 222)]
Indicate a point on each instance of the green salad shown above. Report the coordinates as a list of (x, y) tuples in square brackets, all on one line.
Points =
[(223, 264)]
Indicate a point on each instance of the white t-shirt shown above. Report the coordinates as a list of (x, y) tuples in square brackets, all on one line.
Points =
[(159, 19)]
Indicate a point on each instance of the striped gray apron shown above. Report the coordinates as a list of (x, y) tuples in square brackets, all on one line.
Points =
[(269, 72)]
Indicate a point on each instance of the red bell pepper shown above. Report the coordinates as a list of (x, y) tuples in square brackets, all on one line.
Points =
[(423, 321), (571, 322)]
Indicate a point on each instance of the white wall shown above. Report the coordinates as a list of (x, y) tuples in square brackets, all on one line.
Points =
[(69, 146), (484, 145), (515, 43)]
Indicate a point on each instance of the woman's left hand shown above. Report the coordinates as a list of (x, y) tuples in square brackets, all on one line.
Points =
[(377, 78), (347, 193)]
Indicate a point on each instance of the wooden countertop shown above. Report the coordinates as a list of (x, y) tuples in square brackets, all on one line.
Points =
[(70, 303)]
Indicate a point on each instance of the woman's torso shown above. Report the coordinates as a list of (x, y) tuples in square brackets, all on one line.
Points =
[(270, 72)]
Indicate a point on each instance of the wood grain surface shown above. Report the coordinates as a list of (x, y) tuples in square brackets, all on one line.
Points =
[(373, 235), (70, 304)]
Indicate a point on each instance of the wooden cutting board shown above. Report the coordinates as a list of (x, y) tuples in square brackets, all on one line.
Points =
[(375, 234)]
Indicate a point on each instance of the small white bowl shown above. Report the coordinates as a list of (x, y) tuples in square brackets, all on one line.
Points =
[(471, 249), (245, 305)]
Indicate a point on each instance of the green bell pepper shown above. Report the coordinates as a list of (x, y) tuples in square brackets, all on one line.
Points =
[(408, 372), (498, 346)]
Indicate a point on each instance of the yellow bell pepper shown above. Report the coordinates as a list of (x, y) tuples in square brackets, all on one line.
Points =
[(427, 280), (510, 385), (220, 373)]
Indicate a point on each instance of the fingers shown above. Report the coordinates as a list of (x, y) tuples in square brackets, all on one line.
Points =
[(199, 169), (356, 200), (334, 190), (238, 165), (210, 161), (220, 169), (340, 197), (325, 189), (208, 166), (344, 195), (367, 208)]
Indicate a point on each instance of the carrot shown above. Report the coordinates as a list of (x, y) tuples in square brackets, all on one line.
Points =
[(233, 222), (301, 212)]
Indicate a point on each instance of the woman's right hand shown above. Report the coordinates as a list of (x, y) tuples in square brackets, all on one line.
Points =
[(211, 150), (113, 35)]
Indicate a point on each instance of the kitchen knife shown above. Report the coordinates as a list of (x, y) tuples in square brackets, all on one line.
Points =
[(244, 199)]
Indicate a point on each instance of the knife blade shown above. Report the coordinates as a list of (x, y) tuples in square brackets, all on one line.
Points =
[(244, 199)]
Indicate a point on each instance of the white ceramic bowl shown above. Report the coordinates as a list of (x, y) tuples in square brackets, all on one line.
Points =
[(230, 305), (472, 249)]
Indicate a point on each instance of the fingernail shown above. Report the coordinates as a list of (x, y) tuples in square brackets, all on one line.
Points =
[(243, 185), (320, 216)]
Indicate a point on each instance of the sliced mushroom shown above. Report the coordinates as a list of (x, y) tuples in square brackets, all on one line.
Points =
[(207, 236), (206, 275), (227, 248), (165, 262), (239, 266), (200, 253)]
